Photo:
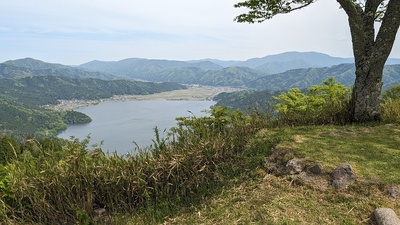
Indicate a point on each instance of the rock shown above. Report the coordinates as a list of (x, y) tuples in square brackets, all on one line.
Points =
[(317, 169), (295, 166), (271, 166), (312, 180), (276, 162), (342, 176), (386, 216), (394, 192), (100, 212)]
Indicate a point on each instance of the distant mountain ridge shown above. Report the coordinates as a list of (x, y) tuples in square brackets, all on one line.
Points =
[(274, 72), (304, 78), (202, 72), (32, 67), (291, 60), (155, 70), (269, 64)]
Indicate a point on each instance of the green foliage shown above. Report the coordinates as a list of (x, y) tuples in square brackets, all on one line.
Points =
[(9, 149), (246, 100), (390, 105), (74, 117), (260, 11), (231, 76), (391, 93), (305, 78), (42, 90), (83, 217), (327, 103), (20, 122)]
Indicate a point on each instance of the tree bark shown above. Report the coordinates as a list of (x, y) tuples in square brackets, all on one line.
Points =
[(370, 53), (365, 103)]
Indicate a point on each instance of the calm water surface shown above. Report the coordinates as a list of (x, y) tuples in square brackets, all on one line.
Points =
[(119, 123)]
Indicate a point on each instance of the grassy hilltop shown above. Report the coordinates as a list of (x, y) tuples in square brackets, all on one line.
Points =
[(213, 170)]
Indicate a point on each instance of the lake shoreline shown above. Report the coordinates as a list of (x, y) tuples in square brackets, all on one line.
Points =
[(192, 93), (116, 125)]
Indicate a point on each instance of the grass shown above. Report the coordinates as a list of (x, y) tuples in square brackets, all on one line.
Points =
[(208, 170), (373, 150), (275, 200), (256, 197)]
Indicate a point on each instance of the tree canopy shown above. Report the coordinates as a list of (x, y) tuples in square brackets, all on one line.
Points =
[(370, 49)]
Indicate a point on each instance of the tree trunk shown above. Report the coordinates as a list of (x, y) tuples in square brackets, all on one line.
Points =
[(370, 53), (365, 103)]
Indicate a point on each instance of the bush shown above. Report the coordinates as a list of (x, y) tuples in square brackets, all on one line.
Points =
[(321, 104), (392, 93), (390, 105)]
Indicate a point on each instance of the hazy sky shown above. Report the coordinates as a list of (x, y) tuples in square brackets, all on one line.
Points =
[(77, 31)]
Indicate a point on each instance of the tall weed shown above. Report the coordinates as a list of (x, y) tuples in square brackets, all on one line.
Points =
[(195, 155), (390, 105)]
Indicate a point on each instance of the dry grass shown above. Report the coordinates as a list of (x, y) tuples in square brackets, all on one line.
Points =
[(391, 110), (256, 197), (275, 200)]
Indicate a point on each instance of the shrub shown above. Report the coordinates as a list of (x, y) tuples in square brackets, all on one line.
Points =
[(390, 105), (321, 104), (392, 93)]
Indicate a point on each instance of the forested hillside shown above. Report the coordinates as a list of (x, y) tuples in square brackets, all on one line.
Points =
[(247, 100), (304, 78), (20, 122), (203, 73), (273, 72), (43, 90), (28, 84)]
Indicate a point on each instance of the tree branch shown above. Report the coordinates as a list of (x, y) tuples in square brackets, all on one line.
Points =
[(354, 12), (388, 30), (261, 10)]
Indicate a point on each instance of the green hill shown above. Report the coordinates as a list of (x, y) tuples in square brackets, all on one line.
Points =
[(41, 90), (203, 73), (31, 67), (22, 99), (304, 78)]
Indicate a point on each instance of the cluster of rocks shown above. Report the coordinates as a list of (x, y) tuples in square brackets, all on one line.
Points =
[(282, 162)]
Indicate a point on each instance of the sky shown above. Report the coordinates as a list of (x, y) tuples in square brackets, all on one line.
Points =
[(73, 32)]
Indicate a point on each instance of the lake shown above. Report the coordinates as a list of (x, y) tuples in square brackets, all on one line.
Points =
[(119, 123)]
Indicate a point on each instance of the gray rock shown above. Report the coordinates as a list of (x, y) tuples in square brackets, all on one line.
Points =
[(316, 169), (394, 192), (386, 216), (342, 176), (295, 166)]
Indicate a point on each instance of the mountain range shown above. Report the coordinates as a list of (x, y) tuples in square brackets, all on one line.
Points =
[(273, 72), (32, 67)]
